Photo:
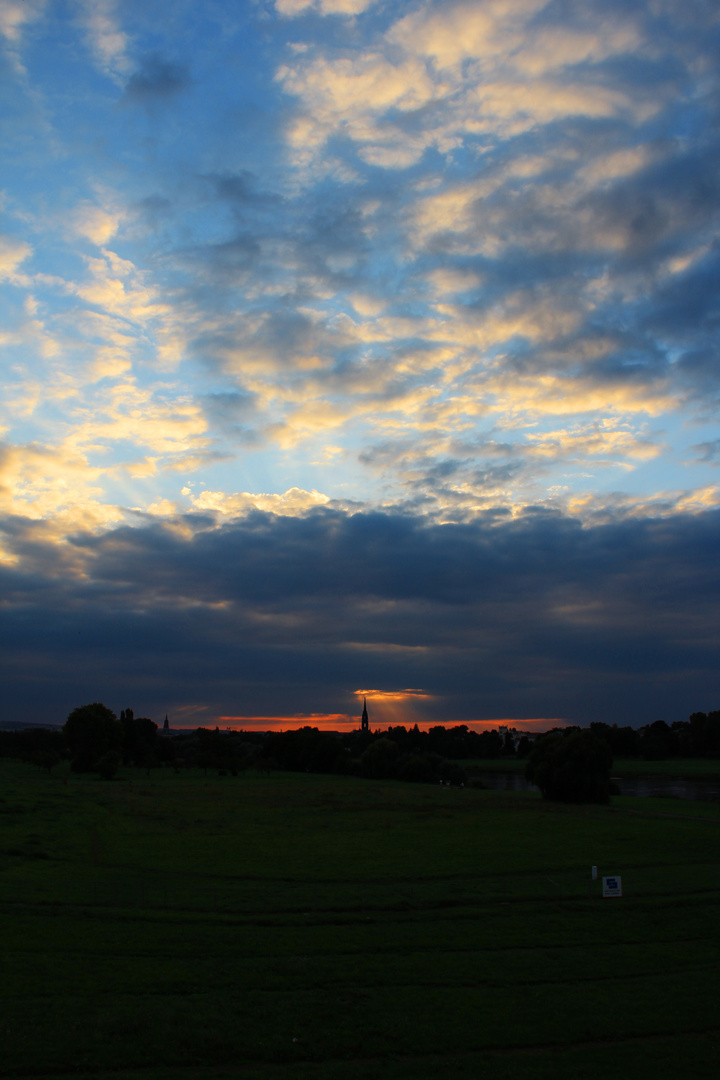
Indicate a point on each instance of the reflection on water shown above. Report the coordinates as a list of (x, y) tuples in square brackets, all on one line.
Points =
[(504, 781), (706, 787)]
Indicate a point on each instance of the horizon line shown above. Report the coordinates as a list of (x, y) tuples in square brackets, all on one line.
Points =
[(344, 722)]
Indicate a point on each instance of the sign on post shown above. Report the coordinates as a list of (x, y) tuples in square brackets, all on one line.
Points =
[(612, 886)]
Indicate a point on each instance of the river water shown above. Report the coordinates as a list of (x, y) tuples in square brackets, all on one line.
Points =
[(705, 787)]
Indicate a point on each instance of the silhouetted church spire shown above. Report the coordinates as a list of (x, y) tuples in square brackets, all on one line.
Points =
[(364, 721)]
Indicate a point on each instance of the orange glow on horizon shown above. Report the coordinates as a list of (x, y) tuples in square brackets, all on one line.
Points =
[(323, 721), (344, 722), (530, 726)]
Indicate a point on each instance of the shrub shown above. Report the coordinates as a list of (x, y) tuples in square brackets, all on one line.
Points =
[(380, 760), (108, 764), (418, 769), (571, 768)]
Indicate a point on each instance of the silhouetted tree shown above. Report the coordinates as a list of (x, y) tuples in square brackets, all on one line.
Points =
[(524, 747), (571, 768), (306, 749), (380, 760), (705, 729), (656, 742), (490, 744), (166, 752), (325, 754), (140, 744), (623, 742), (91, 731), (39, 746)]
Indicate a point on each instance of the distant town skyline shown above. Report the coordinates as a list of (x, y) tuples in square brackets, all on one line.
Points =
[(350, 344)]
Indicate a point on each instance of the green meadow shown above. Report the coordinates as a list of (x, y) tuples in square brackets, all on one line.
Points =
[(164, 925)]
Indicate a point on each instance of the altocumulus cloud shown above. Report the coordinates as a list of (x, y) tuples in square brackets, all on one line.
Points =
[(350, 344)]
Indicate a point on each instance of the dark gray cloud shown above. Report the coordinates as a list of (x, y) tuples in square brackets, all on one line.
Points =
[(532, 616), (157, 79), (708, 451), (227, 410), (241, 191)]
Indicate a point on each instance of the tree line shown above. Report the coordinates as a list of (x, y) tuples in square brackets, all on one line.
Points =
[(571, 764)]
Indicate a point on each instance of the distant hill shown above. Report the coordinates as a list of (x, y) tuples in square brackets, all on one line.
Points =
[(21, 725)]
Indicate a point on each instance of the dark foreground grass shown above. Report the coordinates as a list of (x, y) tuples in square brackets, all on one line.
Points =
[(314, 927)]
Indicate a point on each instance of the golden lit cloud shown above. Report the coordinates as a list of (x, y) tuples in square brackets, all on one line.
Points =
[(95, 223), (12, 253), (522, 399), (448, 280), (475, 61), (162, 508), (349, 96), (600, 508), (15, 13), (391, 695), (42, 482), (142, 417), (392, 707), (116, 287), (592, 441), (610, 167), (497, 34), (107, 41), (291, 503), (291, 8)]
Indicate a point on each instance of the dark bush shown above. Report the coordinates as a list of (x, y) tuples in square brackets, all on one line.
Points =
[(108, 764), (418, 769), (380, 760), (571, 768)]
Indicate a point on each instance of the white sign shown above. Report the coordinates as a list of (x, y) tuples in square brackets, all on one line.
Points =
[(593, 873), (612, 886)]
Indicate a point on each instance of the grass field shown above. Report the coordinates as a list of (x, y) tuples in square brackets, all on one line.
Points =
[(176, 926)]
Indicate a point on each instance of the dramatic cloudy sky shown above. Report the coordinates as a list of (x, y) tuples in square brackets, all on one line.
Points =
[(360, 346)]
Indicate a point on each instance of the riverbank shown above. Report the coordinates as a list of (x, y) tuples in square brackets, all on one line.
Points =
[(678, 778), (679, 768)]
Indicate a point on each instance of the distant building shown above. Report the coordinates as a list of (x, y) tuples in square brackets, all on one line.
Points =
[(364, 718), (166, 726)]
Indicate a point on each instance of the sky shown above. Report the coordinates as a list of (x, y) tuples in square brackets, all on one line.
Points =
[(360, 348)]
